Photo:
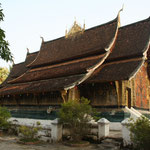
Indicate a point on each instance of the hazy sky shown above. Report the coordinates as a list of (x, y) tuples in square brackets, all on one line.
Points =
[(26, 20)]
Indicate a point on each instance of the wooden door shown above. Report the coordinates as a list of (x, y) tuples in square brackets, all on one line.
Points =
[(129, 97)]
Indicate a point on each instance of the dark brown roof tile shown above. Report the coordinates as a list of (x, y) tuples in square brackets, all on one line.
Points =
[(132, 40), (92, 41), (19, 69), (66, 69), (116, 71), (40, 86)]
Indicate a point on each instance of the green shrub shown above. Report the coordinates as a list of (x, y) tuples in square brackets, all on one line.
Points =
[(76, 115), (140, 133), (4, 116), (29, 134)]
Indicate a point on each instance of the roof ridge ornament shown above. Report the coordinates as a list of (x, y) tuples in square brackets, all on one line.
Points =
[(75, 30), (28, 51), (42, 39), (119, 22), (13, 62)]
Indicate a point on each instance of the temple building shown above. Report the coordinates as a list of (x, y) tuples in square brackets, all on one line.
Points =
[(107, 64)]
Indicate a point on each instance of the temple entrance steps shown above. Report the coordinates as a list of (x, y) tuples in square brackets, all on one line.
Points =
[(133, 113), (112, 142), (136, 114), (115, 134)]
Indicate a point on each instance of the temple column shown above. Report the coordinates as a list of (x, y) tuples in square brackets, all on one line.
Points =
[(119, 92), (74, 93), (64, 95)]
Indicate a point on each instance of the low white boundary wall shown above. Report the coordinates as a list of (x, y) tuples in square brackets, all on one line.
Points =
[(30, 122), (49, 131), (53, 131)]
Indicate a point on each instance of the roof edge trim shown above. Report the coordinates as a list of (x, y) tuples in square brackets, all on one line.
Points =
[(93, 68), (87, 75), (29, 65), (118, 25), (106, 49), (133, 74), (134, 23)]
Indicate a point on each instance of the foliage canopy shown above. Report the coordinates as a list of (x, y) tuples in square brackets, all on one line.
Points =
[(30, 134), (76, 115), (4, 116), (140, 133), (5, 53), (3, 74)]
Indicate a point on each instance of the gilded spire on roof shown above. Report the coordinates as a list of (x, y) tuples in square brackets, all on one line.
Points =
[(75, 30)]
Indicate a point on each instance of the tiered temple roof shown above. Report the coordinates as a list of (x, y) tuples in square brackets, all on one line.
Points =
[(100, 54), (19, 69), (128, 55), (91, 42)]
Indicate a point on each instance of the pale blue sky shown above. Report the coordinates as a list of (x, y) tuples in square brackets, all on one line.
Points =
[(26, 20)]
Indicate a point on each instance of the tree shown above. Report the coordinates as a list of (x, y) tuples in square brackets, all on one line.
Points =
[(76, 114), (140, 133), (4, 116), (3, 74), (5, 53)]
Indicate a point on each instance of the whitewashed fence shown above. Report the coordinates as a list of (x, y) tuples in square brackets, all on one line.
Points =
[(53, 131)]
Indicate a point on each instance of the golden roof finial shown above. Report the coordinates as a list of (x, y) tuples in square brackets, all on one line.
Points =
[(75, 30), (83, 27), (66, 32), (75, 20)]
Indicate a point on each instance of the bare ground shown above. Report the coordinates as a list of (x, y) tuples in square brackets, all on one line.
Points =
[(10, 143)]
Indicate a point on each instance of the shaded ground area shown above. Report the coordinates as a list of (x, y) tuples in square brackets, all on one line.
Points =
[(10, 143)]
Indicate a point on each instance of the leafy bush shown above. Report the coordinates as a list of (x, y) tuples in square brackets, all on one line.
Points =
[(4, 116), (140, 133), (29, 134), (76, 115)]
